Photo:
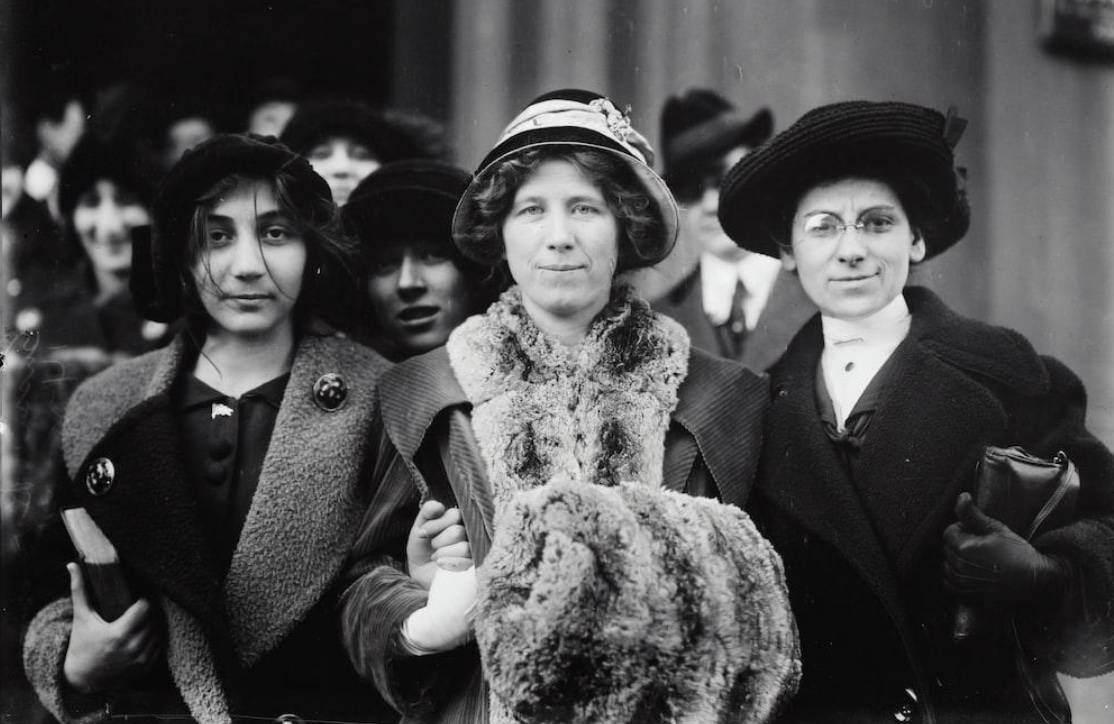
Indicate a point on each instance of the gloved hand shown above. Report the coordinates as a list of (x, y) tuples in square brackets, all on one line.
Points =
[(445, 622), (986, 560), (437, 540)]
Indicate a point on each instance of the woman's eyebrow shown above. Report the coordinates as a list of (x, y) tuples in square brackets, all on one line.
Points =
[(580, 198), (270, 216)]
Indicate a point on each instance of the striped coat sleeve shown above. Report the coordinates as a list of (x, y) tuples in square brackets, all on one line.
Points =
[(380, 596)]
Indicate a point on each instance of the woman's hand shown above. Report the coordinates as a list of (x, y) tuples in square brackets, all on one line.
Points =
[(437, 541), (103, 654), (445, 622), (985, 559)]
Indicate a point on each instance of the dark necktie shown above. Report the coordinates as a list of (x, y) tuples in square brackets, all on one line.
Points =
[(735, 330)]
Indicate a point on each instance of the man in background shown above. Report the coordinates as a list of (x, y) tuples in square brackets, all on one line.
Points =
[(733, 303)]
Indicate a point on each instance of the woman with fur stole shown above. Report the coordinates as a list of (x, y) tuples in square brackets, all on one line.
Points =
[(591, 460)]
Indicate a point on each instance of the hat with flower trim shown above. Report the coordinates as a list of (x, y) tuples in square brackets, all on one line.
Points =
[(580, 119)]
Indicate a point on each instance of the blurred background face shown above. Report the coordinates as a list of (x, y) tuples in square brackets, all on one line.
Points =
[(343, 162), (184, 134), (270, 118), (58, 137), (561, 242), (103, 220), (418, 296), (249, 272), (11, 187), (698, 211), (851, 273)]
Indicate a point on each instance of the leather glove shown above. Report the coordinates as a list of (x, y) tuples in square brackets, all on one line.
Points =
[(984, 559), (445, 622)]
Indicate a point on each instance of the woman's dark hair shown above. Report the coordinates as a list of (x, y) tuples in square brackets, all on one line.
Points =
[(329, 285), (913, 193), (640, 220)]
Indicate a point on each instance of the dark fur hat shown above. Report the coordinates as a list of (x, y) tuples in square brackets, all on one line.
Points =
[(633, 604), (889, 141)]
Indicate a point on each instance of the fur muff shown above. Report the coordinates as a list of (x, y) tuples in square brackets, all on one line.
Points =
[(633, 604)]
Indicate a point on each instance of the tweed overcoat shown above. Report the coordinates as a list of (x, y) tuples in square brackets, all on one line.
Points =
[(272, 614), (863, 554), (711, 449), (786, 310)]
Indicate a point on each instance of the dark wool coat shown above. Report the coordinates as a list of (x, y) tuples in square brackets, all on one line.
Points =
[(262, 641), (787, 309), (863, 556), (711, 449)]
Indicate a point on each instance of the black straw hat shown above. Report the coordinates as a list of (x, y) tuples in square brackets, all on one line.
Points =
[(886, 140), (701, 126), (406, 200), (583, 119), (200, 169)]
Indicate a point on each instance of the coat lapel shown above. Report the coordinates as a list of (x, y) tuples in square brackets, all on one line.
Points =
[(306, 506), (412, 396), (803, 476), (920, 450), (149, 511), (722, 406)]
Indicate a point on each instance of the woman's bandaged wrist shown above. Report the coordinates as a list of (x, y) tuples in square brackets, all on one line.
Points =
[(444, 623)]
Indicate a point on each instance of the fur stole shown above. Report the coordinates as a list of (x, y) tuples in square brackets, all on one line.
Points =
[(597, 412)]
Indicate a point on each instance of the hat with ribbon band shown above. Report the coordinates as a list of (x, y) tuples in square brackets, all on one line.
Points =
[(578, 119)]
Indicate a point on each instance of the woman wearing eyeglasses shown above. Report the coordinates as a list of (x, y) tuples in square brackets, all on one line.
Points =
[(881, 407)]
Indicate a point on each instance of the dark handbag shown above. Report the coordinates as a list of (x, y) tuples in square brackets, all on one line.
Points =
[(1030, 495)]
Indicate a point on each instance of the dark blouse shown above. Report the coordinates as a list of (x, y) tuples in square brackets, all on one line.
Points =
[(224, 440)]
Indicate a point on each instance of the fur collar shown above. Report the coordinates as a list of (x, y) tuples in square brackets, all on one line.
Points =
[(597, 412)]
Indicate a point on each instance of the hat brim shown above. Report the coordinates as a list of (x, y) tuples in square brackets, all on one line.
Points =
[(854, 139), (463, 218), (715, 137)]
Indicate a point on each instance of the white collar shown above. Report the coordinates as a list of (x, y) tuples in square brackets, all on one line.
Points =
[(888, 325), (718, 278)]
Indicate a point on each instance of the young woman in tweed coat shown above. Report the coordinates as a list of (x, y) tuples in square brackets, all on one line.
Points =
[(228, 470)]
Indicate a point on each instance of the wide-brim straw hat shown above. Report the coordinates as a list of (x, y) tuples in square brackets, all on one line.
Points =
[(578, 119), (864, 139)]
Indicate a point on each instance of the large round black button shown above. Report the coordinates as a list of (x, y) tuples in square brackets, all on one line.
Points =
[(215, 472), (330, 392), (99, 476), (220, 449)]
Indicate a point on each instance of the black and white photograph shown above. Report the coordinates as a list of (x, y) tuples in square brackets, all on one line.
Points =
[(545, 361)]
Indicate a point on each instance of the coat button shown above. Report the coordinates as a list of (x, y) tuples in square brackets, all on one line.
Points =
[(99, 476), (330, 392)]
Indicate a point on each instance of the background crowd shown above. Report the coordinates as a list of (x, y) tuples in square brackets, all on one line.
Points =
[(87, 149)]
